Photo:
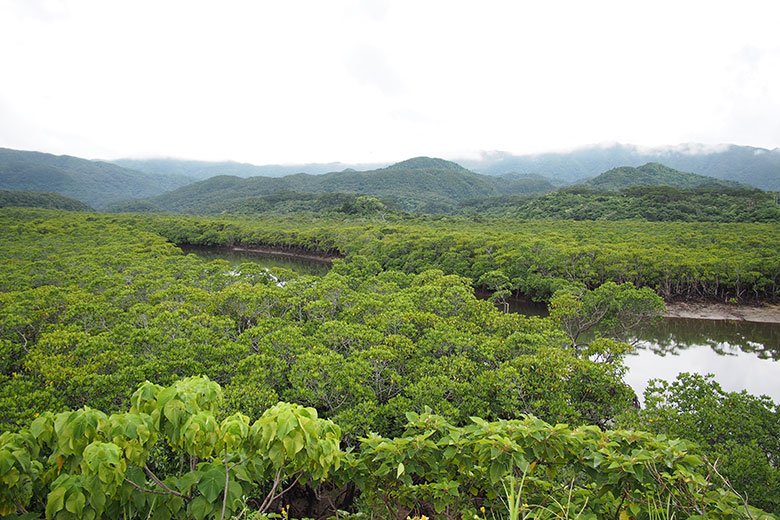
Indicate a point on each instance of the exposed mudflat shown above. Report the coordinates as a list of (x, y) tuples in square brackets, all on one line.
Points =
[(769, 313)]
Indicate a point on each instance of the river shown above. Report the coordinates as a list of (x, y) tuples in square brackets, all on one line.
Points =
[(742, 355), (311, 266)]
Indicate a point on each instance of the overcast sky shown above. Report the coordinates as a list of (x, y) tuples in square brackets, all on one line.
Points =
[(351, 81)]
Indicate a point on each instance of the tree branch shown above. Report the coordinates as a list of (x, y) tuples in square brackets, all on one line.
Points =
[(225, 493), (269, 498), (143, 489), (160, 482)]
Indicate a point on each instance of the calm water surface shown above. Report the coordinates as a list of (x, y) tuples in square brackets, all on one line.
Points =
[(741, 355), (269, 260)]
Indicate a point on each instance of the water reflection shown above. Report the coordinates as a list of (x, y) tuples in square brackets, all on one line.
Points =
[(300, 265), (516, 305), (741, 355), (724, 337)]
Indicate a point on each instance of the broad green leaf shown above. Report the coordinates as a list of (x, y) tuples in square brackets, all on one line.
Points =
[(212, 484), (55, 501), (75, 503)]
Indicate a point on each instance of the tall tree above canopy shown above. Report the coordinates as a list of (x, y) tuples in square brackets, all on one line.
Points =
[(611, 310)]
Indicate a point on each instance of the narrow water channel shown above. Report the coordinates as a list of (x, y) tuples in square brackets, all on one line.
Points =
[(235, 257), (741, 355)]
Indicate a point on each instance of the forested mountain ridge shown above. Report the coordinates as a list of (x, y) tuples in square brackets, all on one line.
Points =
[(757, 167), (427, 163), (202, 170), (421, 184), (36, 199), (652, 192), (95, 183), (220, 193), (655, 174)]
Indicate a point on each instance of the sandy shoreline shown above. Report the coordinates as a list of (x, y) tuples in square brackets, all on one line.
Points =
[(769, 313)]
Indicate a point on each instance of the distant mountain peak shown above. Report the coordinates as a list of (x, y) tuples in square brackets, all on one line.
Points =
[(654, 174), (656, 168), (426, 163), (759, 167)]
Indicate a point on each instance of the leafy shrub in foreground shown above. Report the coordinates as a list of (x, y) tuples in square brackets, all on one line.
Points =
[(91, 465)]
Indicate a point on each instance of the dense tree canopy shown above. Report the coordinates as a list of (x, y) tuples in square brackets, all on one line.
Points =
[(678, 260), (643, 203), (138, 380)]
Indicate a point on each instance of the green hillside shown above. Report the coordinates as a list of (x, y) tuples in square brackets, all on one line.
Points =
[(419, 184), (422, 184), (93, 182), (650, 203), (651, 192), (224, 193), (758, 167), (526, 183), (654, 174), (34, 199)]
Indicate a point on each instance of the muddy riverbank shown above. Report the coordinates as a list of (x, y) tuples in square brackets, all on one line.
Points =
[(769, 313)]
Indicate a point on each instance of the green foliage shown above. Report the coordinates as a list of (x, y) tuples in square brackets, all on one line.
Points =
[(433, 468), (643, 203), (438, 469), (677, 260), (610, 310), (364, 205), (296, 441), (93, 307), (108, 307), (20, 470), (97, 466), (739, 431)]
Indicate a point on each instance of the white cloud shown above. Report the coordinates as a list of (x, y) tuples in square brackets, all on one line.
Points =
[(369, 65), (372, 81), (685, 148)]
